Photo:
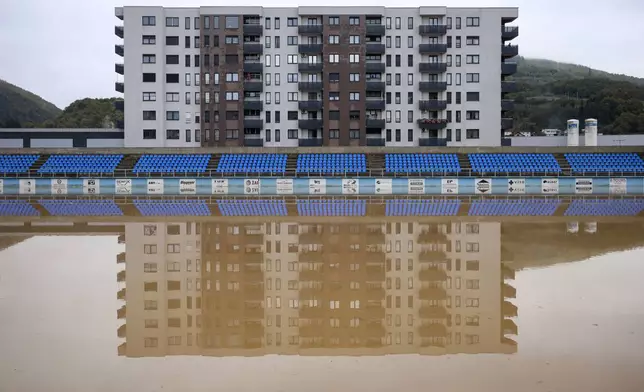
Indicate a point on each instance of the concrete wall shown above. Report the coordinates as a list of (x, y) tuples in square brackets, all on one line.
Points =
[(560, 141), (61, 138)]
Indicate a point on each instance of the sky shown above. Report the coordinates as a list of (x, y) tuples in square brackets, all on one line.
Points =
[(63, 50)]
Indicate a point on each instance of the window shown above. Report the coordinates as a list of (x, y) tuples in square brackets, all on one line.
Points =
[(397, 23), (172, 40), (231, 39), (149, 134), (334, 20), (291, 97), (277, 60), (149, 40), (149, 115), (334, 134), (398, 41), (410, 42), (354, 39), (172, 97), (458, 23), (472, 134), (232, 77), (188, 77), (472, 78), (472, 265), (292, 40), (232, 134), (354, 58), (354, 96), (472, 59), (172, 134), (172, 22), (172, 115), (172, 78), (267, 60), (291, 78), (232, 22), (410, 23), (149, 97), (187, 23), (292, 133), (354, 77), (172, 59), (354, 21), (472, 96), (267, 23), (149, 59), (149, 20), (291, 59), (149, 77), (334, 58), (334, 39), (472, 40), (232, 96), (354, 134), (410, 79), (473, 21), (472, 115)]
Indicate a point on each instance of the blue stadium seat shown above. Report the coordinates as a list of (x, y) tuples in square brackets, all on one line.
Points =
[(427, 207), (513, 207), (172, 163), (252, 207), (332, 207), (331, 163), (605, 207), (514, 163), (252, 163), (92, 207), (150, 207), (17, 208), (14, 164), (422, 163), (605, 162), (85, 163)]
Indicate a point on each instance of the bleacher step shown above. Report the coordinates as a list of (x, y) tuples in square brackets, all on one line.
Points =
[(128, 162), (39, 162)]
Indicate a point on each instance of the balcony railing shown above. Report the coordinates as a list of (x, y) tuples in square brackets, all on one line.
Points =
[(310, 29), (375, 104), (119, 68), (375, 123), (432, 86), (254, 123), (254, 86), (507, 123), (119, 105), (509, 32), (310, 86), (253, 66), (253, 29), (310, 48), (120, 87), (374, 67), (375, 86), (432, 142), (376, 142), (508, 68), (507, 105), (426, 30), (375, 48), (432, 104), (253, 48), (509, 87), (118, 30), (310, 142), (432, 123), (118, 49), (310, 67), (253, 142), (432, 67), (509, 50), (375, 29), (310, 105), (253, 104), (315, 123), (432, 48)]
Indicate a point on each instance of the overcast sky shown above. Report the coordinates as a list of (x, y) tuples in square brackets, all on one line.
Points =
[(63, 50)]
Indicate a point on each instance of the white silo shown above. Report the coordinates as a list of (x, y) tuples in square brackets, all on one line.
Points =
[(591, 131), (590, 227), (573, 227), (572, 130)]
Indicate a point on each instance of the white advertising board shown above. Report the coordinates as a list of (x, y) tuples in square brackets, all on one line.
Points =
[(482, 186), (187, 186), (416, 186), (123, 186), (155, 186), (284, 186), (583, 186), (550, 186), (317, 186), (59, 186), (220, 186), (349, 186), (27, 186), (251, 186), (617, 186), (516, 186), (384, 186), (91, 186), (449, 186)]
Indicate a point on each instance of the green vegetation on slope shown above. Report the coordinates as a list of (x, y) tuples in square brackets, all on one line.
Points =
[(18, 107), (87, 113)]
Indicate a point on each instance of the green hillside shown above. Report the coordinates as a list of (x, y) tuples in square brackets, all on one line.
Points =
[(18, 107), (87, 113)]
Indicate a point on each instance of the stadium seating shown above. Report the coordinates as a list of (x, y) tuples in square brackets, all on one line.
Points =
[(331, 163), (90, 163), (514, 163), (605, 162), (92, 207), (606, 207), (252, 163), (17, 208), (171, 163), (332, 207), (401, 207), (422, 163), (513, 207), (252, 207), (15, 164), (149, 207)]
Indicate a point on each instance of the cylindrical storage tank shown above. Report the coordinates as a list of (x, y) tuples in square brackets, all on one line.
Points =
[(591, 131), (591, 227), (572, 130), (573, 227)]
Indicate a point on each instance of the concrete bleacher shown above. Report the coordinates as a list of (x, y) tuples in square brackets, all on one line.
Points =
[(16, 164), (261, 207), (17, 208), (402, 207), (331, 163), (603, 162), (332, 207), (81, 163), (605, 207), (252, 163), (81, 207), (160, 207), (514, 207), (514, 163), (422, 163), (172, 163)]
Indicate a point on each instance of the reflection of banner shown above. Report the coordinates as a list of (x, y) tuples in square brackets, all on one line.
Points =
[(27, 187), (416, 186), (187, 186), (449, 186), (617, 186), (550, 185), (482, 186), (284, 186), (155, 186), (317, 186), (384, 186), (123, 186), (91, 186), (1, 186), (349, 186), (59, 186), (516, 185), (220, 186), (251, 186), (583, 185)]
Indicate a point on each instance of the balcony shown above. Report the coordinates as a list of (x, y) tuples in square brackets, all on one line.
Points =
[(118, 49), (253, 48), (120, 276), (375, 104), (430, 236), (508, 68), (432, 30), (509, 50), (509, 87), (375, 142), (310, 67), (312, 237), (121, 238), (118, 12), (509, 327), (309, 48), (118, 30), (376, 294), (312, 29), (508, 273), (431, 257), (253, 66), (253, 142), (310, 86), (375, 237), (432, 104), (119, 105), (432, 67), (121, 312), (119, 86), (253, 104), (374, 67), (253, 122), (509, 291), (437, 293), (253, 29), (120, 124), (432, 87), (310, 105), (310, 142), (432, 142), (507, 123), (375, 123), (120, 258), (509, 309), (253, 313), (313, 123), (373, 48), (254, 258), (375, 86), (509, 32), (254, 86), (375, 29), (120, 294), (507, 105), (311, 257), (433, 312), (432, 48), (433, 275), (312, 311), (432, 331), (119, 68)]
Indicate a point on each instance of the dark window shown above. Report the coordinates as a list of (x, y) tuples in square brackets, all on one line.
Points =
[(187, 60), (410, 60), (148, 21), (187, 42), (172, 40), (291, 115), (267, 115), (149, 77), (473, 96), (149, 134), (398, 136), (149, 115), (149, 39), (172, 59), (172, 134), (172, 78), (334, 114), (471, 133), (397, 60), (334, 77), (410, 135), (388, 60), (277, 117), (292, 133)]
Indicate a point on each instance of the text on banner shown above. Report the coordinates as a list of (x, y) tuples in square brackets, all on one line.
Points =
[(449, 186), (482, 186), (187, 186), (516, 186), (91, 186), (123, 186), (284, 186), (550, 186), (155, 186), (251, 186), (349, 186), (416, 186), (317, 186), (27, 186), (220, 186), (583, 186), (384, 186), (617, 186), (59, 186)]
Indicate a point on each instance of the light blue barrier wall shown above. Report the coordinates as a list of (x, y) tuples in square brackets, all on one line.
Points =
[(324, 186)]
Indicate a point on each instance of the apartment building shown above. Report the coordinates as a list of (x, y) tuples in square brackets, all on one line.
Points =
[(315, 76)]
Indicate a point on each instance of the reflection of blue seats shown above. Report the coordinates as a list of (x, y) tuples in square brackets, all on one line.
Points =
[(513, 207), (514, 163), (252, 207), (331, 163), (332, 207), (422, 163), (81, 163), (92, 207), (17, 163), (427, 207), (171, 163), (252, 163), (605, 207), (148, 207), (17, 208), (605, 162)]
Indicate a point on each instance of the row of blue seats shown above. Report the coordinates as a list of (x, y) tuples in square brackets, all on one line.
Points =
[(422, 163)]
